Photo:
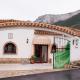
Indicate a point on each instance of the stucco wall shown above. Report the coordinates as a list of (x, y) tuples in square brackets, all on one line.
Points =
[(20, 36), (60, 41), (25, 50), (75, 50)]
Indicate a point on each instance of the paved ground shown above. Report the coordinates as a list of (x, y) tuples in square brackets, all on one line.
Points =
[(61, 75), (9, 70), (4, 67)]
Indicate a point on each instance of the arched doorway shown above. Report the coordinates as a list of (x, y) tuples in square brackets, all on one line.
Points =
[(10, 48)]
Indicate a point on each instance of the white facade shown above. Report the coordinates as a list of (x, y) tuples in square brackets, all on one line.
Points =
[(25, 50), (75, 49)]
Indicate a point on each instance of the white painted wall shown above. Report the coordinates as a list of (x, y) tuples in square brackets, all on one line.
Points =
[(75, 50), (24, 50), (19, 38), (58, 41)]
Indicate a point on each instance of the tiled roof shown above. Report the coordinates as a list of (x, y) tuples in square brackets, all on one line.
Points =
[(19, 23), (42, 32)]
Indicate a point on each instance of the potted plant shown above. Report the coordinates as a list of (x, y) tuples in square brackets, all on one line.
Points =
[(33, 59)]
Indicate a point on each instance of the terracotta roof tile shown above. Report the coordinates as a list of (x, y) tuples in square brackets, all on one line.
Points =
[(18, 23), (42, 32)]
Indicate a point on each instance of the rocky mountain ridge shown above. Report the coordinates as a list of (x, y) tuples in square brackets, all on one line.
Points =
[(68, 19)]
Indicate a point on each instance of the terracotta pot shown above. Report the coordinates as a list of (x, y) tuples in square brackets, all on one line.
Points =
[(32, 61)]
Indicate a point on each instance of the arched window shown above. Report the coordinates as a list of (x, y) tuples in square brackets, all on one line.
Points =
[(9, 48)]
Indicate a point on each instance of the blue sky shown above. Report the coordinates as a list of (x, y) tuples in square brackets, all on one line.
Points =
[(31, 9)]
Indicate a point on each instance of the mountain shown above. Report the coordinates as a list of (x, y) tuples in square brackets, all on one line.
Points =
[(69, 19), (74, 22)]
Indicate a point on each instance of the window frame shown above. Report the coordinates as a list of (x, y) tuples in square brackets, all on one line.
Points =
[(10, 52)]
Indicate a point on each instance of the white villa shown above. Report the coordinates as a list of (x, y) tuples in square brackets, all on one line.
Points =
[(19, 40)]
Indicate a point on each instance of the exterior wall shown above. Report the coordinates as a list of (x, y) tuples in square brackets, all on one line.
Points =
[(24, 49), (58, 41), (75, 50)]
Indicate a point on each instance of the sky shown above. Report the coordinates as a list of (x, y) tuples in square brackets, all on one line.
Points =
[(31, 9)]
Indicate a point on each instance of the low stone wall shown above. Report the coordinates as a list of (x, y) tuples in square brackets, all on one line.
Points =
[(14, 60)]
